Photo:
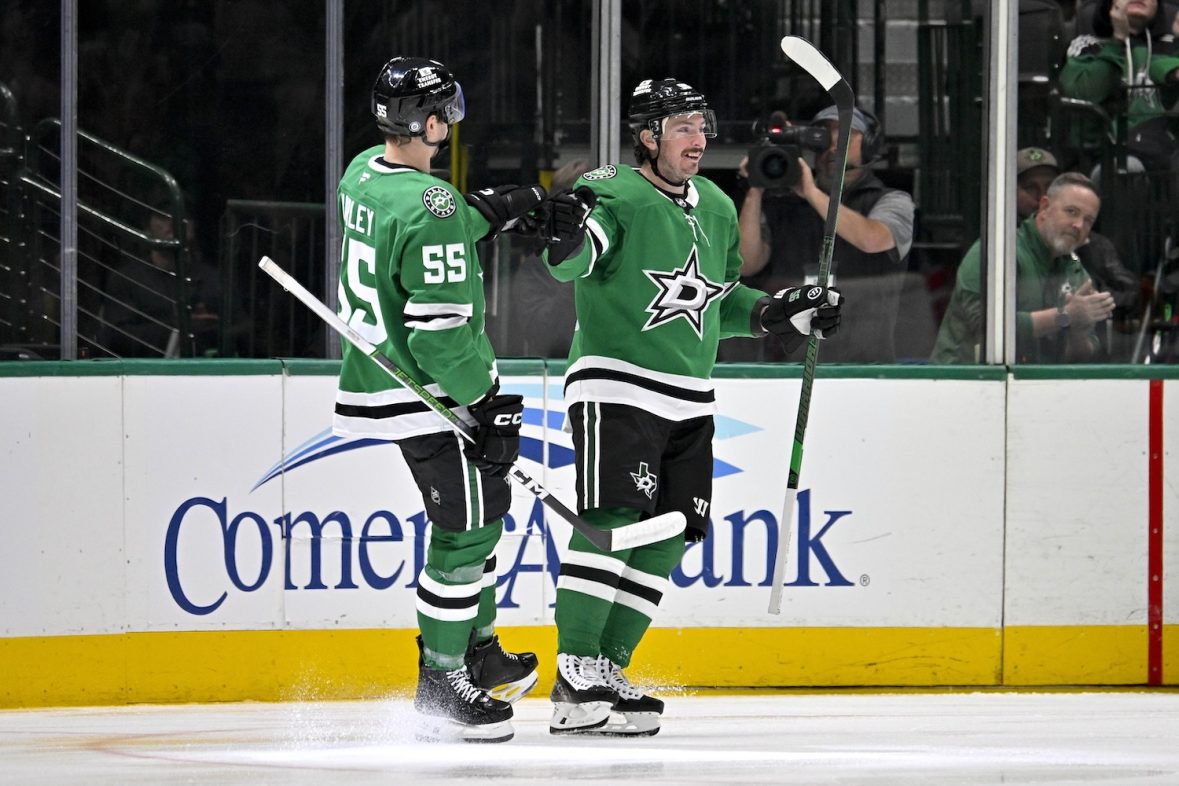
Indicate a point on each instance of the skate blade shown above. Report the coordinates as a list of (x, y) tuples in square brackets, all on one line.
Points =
[(630, 724), (571, 718), (448, 731), (512, 692)]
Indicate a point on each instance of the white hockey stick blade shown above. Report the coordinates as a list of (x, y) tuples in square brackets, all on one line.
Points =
[(651, 530), (785, 528), (811, 60)]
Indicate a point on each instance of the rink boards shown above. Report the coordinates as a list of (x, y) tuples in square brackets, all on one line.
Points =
[(191, 531)]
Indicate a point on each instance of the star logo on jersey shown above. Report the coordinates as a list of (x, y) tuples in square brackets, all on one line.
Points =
[(683, 292), (439, 201), (601, 173), (644, 480)]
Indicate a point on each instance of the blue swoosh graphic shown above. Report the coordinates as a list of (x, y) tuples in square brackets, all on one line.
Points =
[(727, 428), (325, 444)]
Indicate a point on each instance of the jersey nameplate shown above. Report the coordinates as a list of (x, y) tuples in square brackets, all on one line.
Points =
[(357, 217)]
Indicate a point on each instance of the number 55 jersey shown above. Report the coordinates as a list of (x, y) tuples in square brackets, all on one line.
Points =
[(410, 283)]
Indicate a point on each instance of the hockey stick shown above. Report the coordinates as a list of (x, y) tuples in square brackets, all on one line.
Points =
[(640, 533), (812, 61)]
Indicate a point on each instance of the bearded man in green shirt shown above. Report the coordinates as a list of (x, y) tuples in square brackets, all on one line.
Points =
[(1056, 303)]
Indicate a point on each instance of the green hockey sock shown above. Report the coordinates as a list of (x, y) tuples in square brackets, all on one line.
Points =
[(450, 592), (588, 583), (642, 586)]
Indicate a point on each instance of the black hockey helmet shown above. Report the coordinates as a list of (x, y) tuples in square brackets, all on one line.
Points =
[(410, 89), (654, 100)]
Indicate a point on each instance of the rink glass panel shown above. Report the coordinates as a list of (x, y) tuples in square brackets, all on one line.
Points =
[(228, 99)]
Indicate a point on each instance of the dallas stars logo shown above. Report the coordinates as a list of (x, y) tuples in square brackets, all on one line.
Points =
[(438, 201), (644, 480), (683, 292)]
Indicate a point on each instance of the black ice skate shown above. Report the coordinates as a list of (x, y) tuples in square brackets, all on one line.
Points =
[(635, 713), (581, 698), (506, 676), (454, 708)]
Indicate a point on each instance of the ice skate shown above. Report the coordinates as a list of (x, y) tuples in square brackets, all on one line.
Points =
[(635, 714), (581, 698), (453, 708), (506, 676)]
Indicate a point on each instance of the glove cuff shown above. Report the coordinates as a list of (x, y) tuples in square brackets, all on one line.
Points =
[(756, 328), (491, 393)]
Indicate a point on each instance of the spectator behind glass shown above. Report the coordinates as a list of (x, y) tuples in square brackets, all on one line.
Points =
[(782, 235), (1134, 49), (1057, 305), (140, 314), (1036, 168)]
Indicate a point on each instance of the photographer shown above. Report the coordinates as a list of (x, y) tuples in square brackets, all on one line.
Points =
[(781, 226)]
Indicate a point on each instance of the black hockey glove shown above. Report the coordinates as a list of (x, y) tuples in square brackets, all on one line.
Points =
[(504, 206), (497, 435), (561, 222), (797, 312)]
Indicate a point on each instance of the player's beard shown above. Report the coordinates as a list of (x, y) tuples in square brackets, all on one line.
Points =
[(678, 171)]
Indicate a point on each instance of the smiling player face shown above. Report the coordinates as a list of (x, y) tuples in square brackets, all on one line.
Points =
[(682, 146)]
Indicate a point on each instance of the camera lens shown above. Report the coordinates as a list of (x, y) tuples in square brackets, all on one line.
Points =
[(774, 166)]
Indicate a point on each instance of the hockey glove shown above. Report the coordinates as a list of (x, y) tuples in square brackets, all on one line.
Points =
[(504, 206), (562, 222), (497, 435), (797, 312)]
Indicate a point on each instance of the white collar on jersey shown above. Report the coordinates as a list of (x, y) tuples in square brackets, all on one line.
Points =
[(379, 164), (692, 196)]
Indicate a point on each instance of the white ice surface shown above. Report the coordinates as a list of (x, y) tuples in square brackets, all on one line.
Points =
[(904, 739)]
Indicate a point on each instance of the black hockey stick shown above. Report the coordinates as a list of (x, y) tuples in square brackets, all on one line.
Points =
[(640, 533), (806, 55)]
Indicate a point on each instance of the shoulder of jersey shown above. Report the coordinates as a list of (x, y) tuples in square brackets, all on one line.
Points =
[(360, 161), (610, 180), (706, 187), (608, 172), (430, 194), (440, 199)]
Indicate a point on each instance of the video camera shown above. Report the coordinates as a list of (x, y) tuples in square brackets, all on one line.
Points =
[(773, 161)]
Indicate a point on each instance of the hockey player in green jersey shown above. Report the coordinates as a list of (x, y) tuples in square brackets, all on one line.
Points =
[(410, 283), (653, 254)]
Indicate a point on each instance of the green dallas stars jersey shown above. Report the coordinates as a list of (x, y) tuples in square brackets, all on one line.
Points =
[(656, 286), (410, 283)]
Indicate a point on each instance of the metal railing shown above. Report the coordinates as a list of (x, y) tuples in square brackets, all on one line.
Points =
[(133, 266), (10, 235)]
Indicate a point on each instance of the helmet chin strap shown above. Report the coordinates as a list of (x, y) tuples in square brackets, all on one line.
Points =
[(655, 168), (441, 143)]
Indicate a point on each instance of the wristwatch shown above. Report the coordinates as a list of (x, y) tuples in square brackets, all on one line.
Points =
[(1063, 320)]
